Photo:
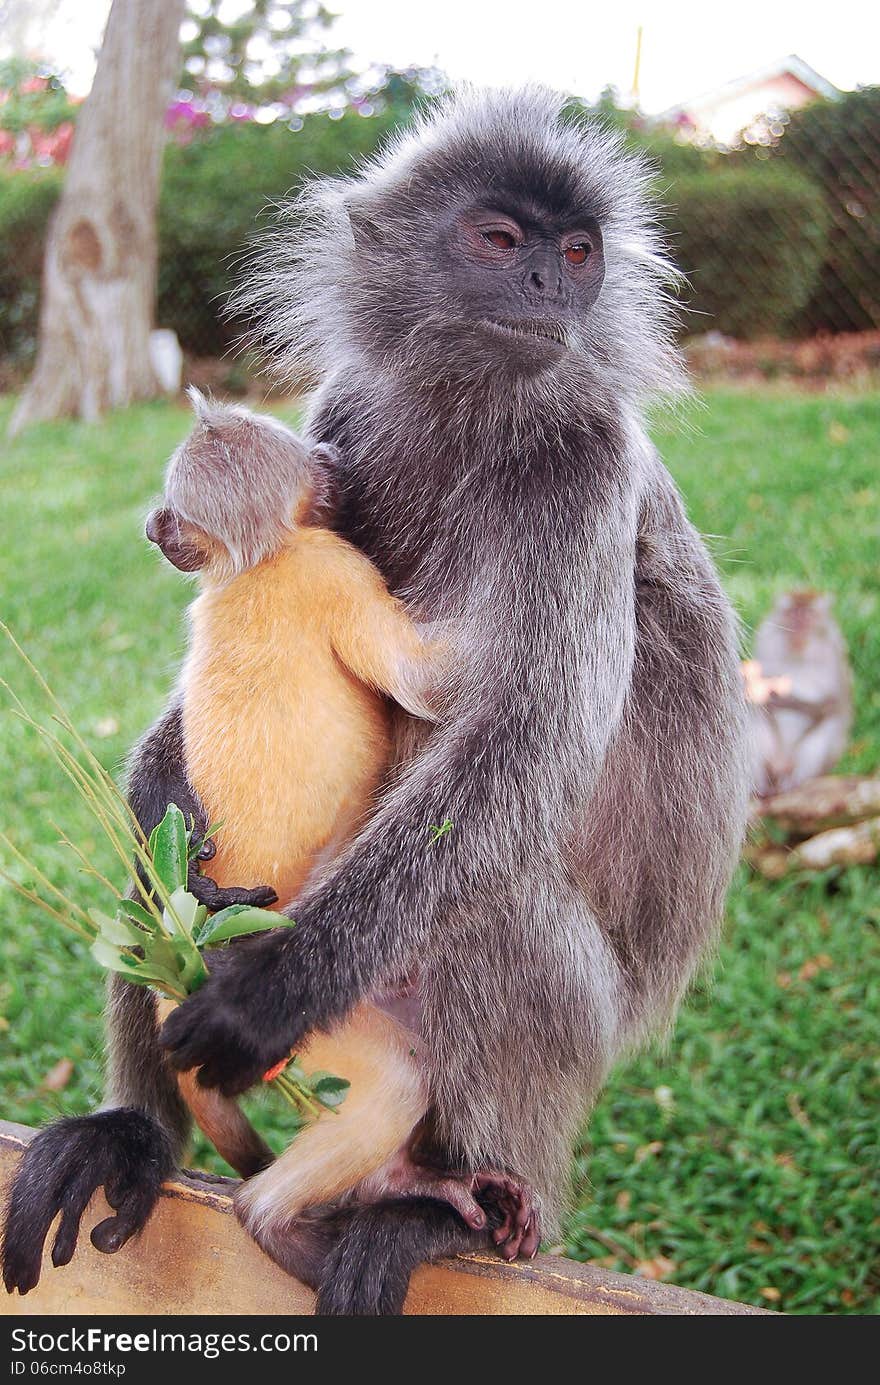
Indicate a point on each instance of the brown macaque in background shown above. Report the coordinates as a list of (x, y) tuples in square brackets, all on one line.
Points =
[(800, 686), (487, 307)]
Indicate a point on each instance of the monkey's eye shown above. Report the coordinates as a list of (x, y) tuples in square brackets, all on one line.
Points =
[(502, 240), (577, 254)]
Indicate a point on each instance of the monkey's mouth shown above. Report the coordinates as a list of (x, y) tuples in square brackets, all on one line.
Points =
[(528, 327)]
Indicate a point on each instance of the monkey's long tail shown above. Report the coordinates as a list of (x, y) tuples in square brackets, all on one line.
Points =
[(222, 1120), (368, 1270)]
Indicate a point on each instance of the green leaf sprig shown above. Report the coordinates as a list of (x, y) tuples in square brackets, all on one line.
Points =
[(155, 937)]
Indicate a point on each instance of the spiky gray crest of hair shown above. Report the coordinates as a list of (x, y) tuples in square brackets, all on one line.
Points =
[(347, 271)]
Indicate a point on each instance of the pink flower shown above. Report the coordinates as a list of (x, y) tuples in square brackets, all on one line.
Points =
[(184, 116)]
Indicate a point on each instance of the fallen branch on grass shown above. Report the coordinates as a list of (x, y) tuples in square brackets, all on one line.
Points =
[(830, 821), (831, 801)]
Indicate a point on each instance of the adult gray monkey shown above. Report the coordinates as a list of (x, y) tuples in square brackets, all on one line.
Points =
[(486, 304)]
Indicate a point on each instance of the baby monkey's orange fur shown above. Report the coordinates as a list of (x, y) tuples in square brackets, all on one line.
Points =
[(285, 728), (295, 645)]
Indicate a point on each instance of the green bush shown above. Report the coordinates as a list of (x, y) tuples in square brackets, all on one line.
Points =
[(838, 144), (673, 157), (752, 237), (27, 198), (216, 193), (752, 242)]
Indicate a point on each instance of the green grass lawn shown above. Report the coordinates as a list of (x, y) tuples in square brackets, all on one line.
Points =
[(743, 1158)]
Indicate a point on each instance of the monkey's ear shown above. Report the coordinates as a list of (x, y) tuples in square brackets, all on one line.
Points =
[(185, 546), (319, 504)]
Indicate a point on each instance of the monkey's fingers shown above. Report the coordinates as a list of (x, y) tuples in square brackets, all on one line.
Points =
[(59, 1172), (188, 1034), (505, 1234), (47, 1183), (132, 1202), (518, 1232), (215, 897), (531, 1240), (112, 1233), (522, 1240), (457, 1193), (231, 1074), (196, 1037), (75, 1199), (24, 1236)]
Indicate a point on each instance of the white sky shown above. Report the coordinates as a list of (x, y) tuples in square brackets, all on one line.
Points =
[(689, 46)]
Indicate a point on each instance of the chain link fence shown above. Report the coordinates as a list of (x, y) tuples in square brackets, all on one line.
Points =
[(782, 236)]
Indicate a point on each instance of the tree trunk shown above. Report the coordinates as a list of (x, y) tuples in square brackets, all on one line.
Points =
[(99, 275)]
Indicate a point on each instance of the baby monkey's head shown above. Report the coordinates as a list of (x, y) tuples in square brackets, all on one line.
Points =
[(236, 490)]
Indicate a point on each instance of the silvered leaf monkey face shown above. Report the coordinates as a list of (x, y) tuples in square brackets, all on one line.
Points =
[(523, 277), (465, 267)]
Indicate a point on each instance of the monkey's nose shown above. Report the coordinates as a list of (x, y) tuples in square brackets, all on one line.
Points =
[(542, 279)]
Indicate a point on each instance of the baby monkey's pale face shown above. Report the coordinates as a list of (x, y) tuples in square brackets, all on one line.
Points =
[(235, 490)]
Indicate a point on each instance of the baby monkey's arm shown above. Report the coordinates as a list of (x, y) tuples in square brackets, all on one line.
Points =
[(375, 637)]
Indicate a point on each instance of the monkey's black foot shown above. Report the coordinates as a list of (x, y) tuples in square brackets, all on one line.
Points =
[(513, 1212), (215, 898), (124, 1151)]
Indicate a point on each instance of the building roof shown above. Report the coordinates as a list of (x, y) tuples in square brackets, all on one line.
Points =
[(791, 66)]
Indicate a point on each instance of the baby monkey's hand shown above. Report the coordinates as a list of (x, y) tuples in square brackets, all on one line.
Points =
[(216, 897)]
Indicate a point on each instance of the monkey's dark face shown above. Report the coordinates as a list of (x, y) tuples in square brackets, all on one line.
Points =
[(522, 280), (490, 274)]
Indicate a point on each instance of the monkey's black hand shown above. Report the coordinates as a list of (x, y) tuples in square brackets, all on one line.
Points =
[(123, 1151), (216, 897), (252, 1010)]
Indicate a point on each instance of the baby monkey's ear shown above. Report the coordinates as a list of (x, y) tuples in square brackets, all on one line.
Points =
[(320, 502), (183, 544)]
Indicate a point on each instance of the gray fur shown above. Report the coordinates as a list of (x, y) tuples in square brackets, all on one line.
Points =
[(593, 763), (137, 1073), (319, 292)]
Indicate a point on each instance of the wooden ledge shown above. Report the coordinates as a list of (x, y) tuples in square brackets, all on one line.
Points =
[(194, 1258)]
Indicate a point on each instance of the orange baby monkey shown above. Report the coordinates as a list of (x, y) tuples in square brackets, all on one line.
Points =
[(296, 646)]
